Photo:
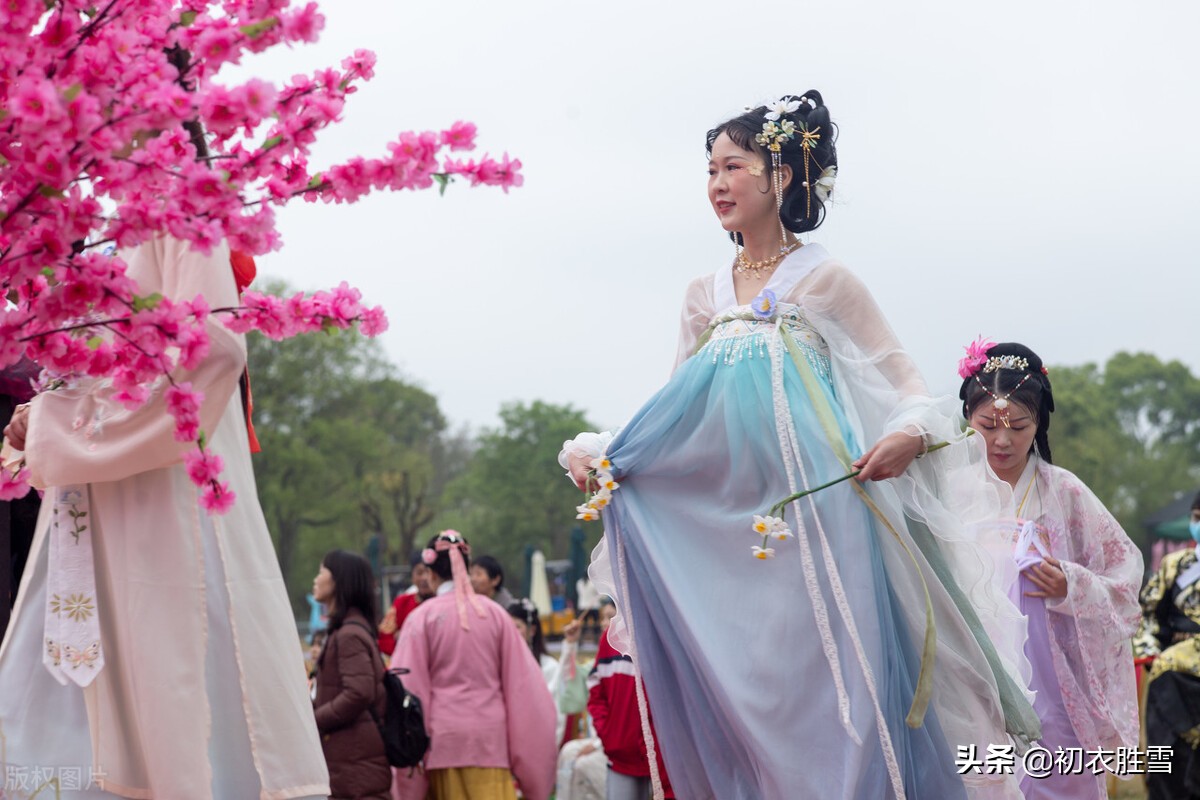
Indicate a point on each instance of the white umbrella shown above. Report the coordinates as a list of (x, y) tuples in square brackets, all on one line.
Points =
[(539, 587)]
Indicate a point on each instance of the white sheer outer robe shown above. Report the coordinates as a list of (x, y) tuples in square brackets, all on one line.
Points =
[(204, 692), (948, 500)]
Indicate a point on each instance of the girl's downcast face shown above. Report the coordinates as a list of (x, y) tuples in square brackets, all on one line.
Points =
[(1008, 445)]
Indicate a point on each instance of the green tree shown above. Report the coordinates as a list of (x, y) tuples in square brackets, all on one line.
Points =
[(513, 492), (350, 451), (399, 491), (1130, 431)]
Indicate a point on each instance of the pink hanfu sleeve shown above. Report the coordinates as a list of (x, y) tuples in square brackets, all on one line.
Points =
[(531, 716), (83, 435)]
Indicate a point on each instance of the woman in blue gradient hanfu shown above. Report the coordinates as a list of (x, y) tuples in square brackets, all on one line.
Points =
[(866, 649)]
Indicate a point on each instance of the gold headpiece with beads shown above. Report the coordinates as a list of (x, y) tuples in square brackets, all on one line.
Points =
[(777, 131)]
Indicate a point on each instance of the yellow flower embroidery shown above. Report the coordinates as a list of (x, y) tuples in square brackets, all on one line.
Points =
[(77, 606)]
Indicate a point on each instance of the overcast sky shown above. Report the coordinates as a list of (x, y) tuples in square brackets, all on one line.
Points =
[(1024, 170)]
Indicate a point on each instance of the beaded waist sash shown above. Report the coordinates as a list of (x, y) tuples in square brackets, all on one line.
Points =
[(738, 335)]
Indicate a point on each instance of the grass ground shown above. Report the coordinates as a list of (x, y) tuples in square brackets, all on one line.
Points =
[(1130, 790)]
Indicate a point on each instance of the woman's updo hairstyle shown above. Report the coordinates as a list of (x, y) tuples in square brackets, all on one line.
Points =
[(1034, 394), (439, 562), (796, 213)]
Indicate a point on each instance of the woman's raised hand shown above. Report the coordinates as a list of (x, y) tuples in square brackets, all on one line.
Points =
[(890, 456)]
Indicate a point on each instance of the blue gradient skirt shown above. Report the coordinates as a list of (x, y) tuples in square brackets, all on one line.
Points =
[(756, 684)]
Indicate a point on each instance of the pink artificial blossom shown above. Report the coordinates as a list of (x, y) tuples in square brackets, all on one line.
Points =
[(460, 136), (184, 405), (203, 466), (14, 486), (133, 397), (94, 156), (216, 498), (362, 64), (373, 321), (975, 358)]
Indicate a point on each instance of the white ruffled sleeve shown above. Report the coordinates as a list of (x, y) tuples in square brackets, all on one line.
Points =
[(585, 445)]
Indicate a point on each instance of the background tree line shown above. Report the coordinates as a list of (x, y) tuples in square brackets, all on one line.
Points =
[(356, 456)]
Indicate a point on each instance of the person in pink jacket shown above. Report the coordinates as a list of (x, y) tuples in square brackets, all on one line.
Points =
[(488, 712)]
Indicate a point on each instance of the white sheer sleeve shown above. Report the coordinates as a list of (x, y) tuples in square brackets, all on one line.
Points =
[(950, 501), (697, 313), (867, 355)]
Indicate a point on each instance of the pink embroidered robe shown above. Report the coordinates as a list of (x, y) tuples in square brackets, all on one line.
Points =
[(1090, 629), (485, 701)]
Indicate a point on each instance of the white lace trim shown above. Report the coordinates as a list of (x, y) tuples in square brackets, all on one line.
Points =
[(735, 338), (790, 444)]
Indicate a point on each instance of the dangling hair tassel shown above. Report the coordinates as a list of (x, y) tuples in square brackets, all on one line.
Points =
[(777, 175)]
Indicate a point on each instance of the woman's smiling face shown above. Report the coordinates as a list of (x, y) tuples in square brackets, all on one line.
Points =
[(738, 186)]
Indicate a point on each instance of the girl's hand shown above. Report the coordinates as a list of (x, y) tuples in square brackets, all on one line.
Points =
[(890, 456), (572, 630), (17, 427), (1049, 577), (579, 468)]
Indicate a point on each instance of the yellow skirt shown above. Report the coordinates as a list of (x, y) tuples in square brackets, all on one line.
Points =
[(471, 783)]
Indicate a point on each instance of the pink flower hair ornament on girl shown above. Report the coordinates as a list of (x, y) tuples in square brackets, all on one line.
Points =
[(975, 358), (116, 132)]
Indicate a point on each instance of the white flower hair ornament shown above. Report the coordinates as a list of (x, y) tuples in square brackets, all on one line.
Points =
[(781, 107), (823, 187)]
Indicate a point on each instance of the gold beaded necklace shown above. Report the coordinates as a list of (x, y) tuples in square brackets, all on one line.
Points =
[(756, 269)]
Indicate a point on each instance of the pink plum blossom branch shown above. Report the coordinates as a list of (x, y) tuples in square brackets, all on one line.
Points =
[(115, 129)]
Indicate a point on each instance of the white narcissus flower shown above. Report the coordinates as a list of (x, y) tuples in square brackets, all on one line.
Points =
[(777, 108), (782, 534), (600, 499), (606, 481), (587, 513), (768, 525), (601, 464), (824, 185), (763, 553)]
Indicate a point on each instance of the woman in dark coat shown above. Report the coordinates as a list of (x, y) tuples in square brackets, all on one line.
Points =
[(350, 681)]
